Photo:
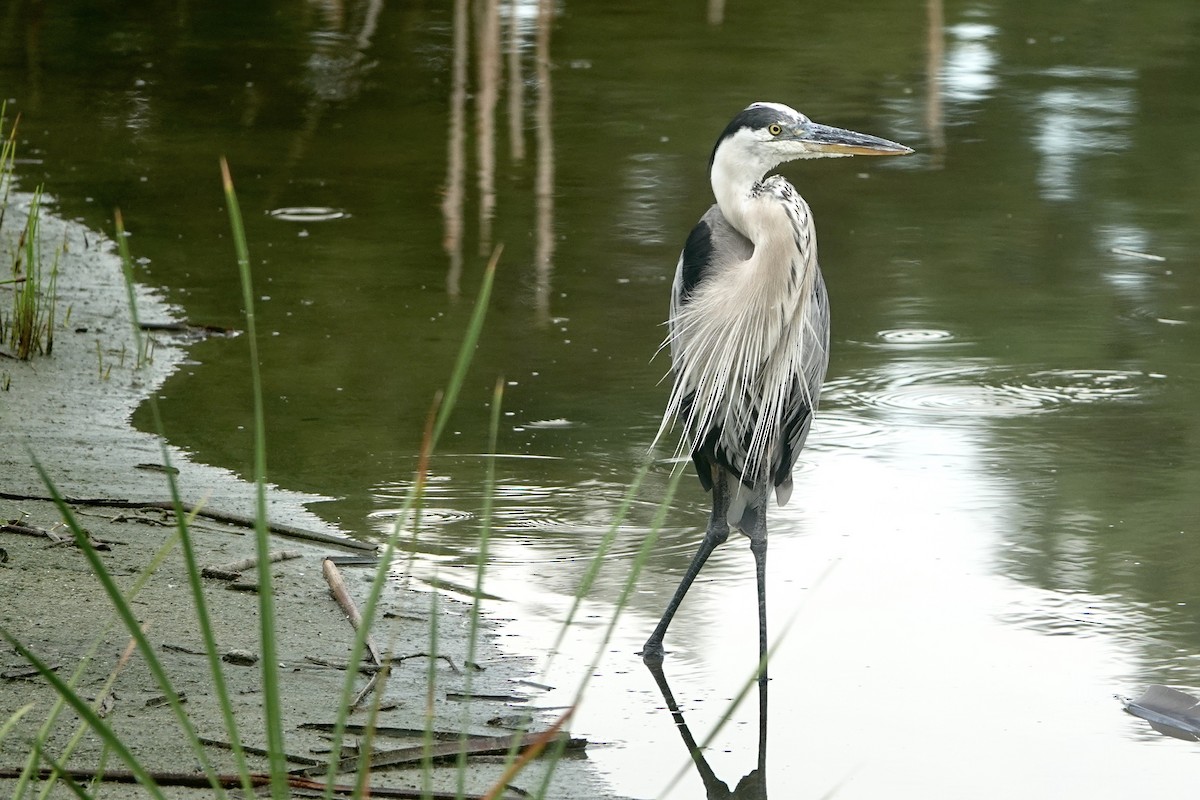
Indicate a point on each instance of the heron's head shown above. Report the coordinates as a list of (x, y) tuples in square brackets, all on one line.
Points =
[(765, 135)]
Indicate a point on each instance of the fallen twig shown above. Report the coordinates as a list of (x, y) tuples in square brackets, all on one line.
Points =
[(385, 731), (337, 588), (193, 510), (496, 698), (22, 673), (300, 786), (194, 779), (366, 669), (233, 570), (447, 751), (440, 657), (258, 751), (26, 530)]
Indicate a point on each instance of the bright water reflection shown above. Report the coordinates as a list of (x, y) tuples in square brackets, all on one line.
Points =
[(994, 526)]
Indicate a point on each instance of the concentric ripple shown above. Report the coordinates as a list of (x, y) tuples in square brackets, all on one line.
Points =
[(911, 336), (308, 214), (536, 514), (975, 390)]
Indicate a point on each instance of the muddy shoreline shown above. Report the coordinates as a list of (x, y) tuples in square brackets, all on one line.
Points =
[(71, 412)]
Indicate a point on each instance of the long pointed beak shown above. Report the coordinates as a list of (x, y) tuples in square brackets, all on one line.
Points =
[(840, 141)]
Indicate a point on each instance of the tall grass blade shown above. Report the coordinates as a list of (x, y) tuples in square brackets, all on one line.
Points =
[(8, 156), (266, 596), (60, 703), (622, 603), (593, 570), (183, 526), (470, 341), (438, 415), (85, 711), (13, 719), (125, 612), (485, 533)]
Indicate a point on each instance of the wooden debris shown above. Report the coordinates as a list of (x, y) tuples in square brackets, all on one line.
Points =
[(450, 750), (194, 510), (233, 570), (258, 751), (337, 588), (354, 561), (366, 669), (26, 672), (299, 786), (493, 698), (439, 657), (387, 731), (26, 530)]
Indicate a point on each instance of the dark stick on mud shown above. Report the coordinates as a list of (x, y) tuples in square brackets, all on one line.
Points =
[(300, 786), (476, 746), (239, 520)]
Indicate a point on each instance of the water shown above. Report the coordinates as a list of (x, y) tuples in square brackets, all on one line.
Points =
[(994, 528)]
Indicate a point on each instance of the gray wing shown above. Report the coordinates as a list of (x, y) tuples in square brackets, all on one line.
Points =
[(711, 244)]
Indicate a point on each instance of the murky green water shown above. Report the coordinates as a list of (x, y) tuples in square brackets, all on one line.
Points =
[(996, 524)]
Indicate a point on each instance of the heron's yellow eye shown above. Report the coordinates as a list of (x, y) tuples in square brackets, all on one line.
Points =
[(774, 129)]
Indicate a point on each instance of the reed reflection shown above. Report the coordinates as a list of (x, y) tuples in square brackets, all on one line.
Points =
[(753, 785), (487, 94), (490, 40), (452, 192), (935, 57), (335, 71), (543, 259)]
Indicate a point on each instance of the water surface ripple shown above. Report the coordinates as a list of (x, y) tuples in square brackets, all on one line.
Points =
[(966, 392)]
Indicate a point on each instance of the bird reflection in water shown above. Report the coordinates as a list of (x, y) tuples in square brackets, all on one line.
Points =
[(752, 786)]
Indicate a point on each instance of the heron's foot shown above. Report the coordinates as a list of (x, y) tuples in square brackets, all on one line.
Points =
[(652, 651)]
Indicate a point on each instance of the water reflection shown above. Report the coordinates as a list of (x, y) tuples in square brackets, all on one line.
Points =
[(452, 190), (1077, 121), (969, 71), (752, 786), (543, 256), (489, 43), (487, 94), (934, 66)]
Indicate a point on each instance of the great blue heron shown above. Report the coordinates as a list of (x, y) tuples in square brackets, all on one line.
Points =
[(749, 331)]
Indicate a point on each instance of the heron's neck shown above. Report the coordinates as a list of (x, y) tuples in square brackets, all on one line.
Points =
[(733, 181)]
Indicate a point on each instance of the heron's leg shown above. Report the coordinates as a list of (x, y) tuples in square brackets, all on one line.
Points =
[(754, 525), (717, 533)]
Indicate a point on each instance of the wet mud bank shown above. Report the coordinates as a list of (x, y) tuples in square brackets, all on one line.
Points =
[(70, 412)]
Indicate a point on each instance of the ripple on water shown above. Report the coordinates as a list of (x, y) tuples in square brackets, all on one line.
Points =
[(546, 523), (914, 336), (308, 214), (1055, 613), (974, 390)]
